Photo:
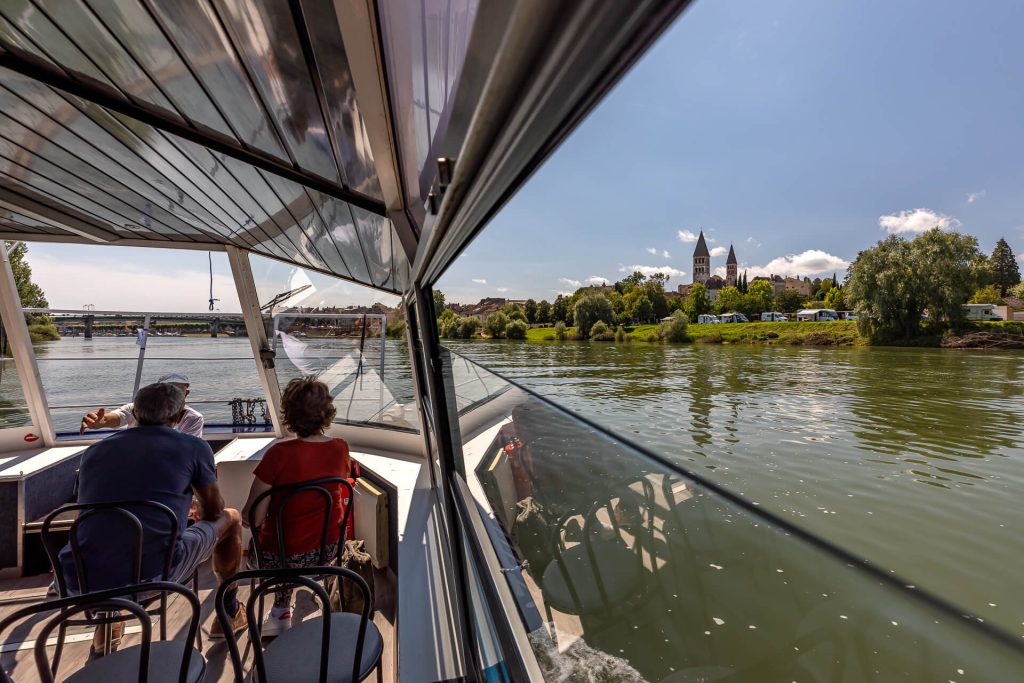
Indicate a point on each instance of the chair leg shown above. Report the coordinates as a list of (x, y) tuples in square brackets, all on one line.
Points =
[(59, 649), (195, 589)]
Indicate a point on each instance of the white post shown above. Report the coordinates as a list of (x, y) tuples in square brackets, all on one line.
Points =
[(251, 314), (143, 339), (21, 349)]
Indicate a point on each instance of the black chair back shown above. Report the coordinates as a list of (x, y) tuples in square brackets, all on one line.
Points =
[(119, 510), (288, 493), (268, 580), (117, 607)]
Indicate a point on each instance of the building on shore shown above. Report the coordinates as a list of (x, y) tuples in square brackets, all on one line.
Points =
[(702, 270)]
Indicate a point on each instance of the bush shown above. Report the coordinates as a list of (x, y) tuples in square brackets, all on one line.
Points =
[(589, 310), (515, 329), (599, 331), (560, 333), (495, 324), (621, 336), (674, 330), (652, 338), (396, 330), (43, 332)]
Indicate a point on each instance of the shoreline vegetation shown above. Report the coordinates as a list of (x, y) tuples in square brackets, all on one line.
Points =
[(905, 292)]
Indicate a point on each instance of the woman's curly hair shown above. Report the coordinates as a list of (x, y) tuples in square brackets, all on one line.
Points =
[(307, 406)]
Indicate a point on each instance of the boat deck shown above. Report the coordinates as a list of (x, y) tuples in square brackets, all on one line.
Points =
[(16, 646)]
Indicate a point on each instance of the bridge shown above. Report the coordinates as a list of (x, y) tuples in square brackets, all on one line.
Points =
[(72, 323)]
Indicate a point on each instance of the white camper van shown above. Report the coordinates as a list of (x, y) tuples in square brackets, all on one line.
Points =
[(773, 317), (981, 312), (816, 315)]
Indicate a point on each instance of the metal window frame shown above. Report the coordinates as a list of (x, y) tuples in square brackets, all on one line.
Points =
[(13, 316), (245, 286)]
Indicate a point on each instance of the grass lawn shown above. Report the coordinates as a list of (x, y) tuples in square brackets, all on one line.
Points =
[(839, 333)]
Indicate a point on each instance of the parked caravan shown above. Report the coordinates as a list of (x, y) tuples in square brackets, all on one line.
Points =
[(734, 318), (773, 317), (816, 315), (707, 319), (981, 312)]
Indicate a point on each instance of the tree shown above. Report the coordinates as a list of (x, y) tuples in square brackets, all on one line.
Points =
[(601, 332), (495, 324), (626, 284), (468, 327), (987, 295), (655, 290), (530, 308), (438, 302), (1017, 291), (835, 299), (729, 299), (513, 312), (1004, 268), (891, 284), (758, 298), (516, 329), (822, 291), (589, 310), (697, 302), (30, 293), (448, 324), (637, 307), (559, 309), (674, 329), (544, 312), (789, 301)]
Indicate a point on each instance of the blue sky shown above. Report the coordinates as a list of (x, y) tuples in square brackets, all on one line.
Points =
[(801, 132), (788, 128)]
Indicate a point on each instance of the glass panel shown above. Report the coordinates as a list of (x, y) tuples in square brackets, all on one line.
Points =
[(197, 32), (47, 39), (375, 234), (82, 373), (13, 407), (624, 566), (334, 330), (137, 30), (342, 105), (267, 41)]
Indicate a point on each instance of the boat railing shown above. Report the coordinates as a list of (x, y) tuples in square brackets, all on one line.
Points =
[(592, 551)]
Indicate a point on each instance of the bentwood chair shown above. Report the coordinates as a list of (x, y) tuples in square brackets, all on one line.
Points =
[(338, 647), (116, 513), (290, 494), (150, 661)]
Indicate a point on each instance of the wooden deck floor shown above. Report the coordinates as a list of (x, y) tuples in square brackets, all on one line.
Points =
[(16, 656)]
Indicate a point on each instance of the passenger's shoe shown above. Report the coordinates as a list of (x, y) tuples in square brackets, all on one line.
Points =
[(238, 624), (99, 637), (276, 625)]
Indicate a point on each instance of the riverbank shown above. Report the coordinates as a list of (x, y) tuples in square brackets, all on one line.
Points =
[(836, 333)]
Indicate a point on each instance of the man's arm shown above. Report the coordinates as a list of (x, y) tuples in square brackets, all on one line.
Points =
[(100, 419), (211, 502)]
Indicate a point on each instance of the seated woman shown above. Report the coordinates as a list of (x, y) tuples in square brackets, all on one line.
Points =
[(307, 410)]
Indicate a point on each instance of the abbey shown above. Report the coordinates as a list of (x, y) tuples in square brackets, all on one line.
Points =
[(702, 270)]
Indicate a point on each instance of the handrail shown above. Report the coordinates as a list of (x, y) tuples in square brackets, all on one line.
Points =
[(856, 562), (155, 314)]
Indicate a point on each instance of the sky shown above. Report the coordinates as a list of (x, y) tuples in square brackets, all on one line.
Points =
[(800, 132)]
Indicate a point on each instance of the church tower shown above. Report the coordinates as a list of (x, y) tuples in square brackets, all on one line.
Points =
[(701, 261), (730, 268)]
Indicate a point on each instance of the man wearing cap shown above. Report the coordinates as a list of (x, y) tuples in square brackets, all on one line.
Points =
[(191, 421)]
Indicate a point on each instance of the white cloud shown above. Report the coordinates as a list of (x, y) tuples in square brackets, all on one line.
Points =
[(719, 251), (575, 284), (651, 270), (808, 263), (1020, 256), (711, 240), (596, 280), (686, 236), (665, 254), (480, 281), (651, 250), (502, 289), (975, 196), (750, 240), (916, 221)]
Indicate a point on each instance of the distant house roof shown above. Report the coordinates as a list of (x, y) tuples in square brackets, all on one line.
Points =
[(702, 247), (732, 256)]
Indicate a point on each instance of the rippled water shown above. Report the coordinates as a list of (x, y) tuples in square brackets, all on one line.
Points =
[(910, 457)]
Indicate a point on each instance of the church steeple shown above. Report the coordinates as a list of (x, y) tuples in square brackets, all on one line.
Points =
[(730, 268), (701, 260)]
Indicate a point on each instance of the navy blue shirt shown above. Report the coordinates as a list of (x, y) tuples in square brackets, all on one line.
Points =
[(142, 463)]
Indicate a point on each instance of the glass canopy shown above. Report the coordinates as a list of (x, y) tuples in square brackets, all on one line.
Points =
[(198, 123)]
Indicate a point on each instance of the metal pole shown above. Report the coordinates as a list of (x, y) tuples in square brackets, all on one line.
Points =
[(383, 325), (142, 355)]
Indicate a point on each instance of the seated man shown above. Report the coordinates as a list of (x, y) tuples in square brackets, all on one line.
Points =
[(191, 420), (154, 462)]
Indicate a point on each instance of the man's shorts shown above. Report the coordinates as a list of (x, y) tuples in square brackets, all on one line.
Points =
[(194, 547)]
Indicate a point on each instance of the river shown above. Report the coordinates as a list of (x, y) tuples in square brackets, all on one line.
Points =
[(911, 458)]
